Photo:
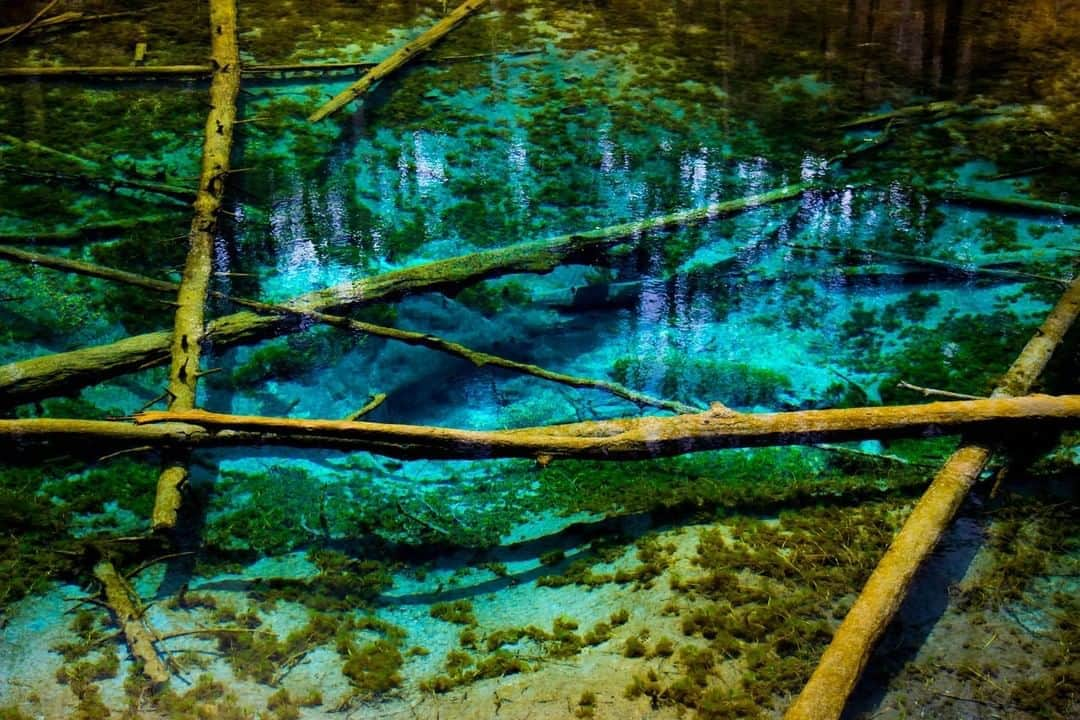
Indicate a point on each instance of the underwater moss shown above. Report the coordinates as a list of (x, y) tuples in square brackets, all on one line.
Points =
[(459, 612), (372, 668)]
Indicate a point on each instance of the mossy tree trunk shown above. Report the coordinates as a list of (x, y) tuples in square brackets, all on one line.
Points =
[(621, 439), (189, 331), (66, 372)]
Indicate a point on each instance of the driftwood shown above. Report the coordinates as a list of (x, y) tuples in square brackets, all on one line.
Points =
[(840, 666), (64, 18), (1012, 203), (190, 327), (20, 29), (69, 371), (621, 439), (97, 173), (120, 597), (398, 59), (201, 72), (86, 232), (107, 183), (933, 111), (432, 342), (961, 269)]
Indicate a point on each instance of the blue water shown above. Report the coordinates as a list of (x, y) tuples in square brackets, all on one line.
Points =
[(573, 117)]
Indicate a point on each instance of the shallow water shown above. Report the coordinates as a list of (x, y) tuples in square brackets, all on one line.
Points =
[(910, 254)]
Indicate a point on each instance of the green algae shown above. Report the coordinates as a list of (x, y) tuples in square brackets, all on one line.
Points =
[(459, 612)]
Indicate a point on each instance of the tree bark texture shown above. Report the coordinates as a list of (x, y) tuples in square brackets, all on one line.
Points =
[(120, 598), (621, 439), (189, 329), (68, 372), (399, 59), (847, 655)]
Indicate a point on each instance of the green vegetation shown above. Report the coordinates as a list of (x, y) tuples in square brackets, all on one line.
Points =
[(698, 379), (459, 612)]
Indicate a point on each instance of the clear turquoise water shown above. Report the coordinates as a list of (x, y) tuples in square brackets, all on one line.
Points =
[(622, 111)]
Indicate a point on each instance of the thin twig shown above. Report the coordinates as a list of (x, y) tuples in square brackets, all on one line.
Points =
[(928, 392), (126, 451), (155, 561)]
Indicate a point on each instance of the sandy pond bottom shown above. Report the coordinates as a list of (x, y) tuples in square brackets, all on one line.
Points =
[(676, 621)]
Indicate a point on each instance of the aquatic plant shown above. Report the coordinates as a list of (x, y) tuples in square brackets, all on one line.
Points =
[(459, 612)]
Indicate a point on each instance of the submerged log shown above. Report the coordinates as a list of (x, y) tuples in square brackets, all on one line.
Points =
[(201, 72), (938, 110), (398, 59), (35, 20), (432, 342), (1011, 203), (621, 439), (69, 371), (120, 598), (108, 71), (106, 183), (846, 657), (65, 18), (86, 232), (190, 326), (964, 270), (96, 172)]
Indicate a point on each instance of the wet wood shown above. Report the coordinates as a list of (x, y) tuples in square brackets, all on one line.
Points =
[(66, 372), (399, 59), (69, 18), (370, 406), (931, 111), (1013, 203), (201, 72), (85, 232), (35, 20), (843, 662), (190, 326), (108, 71), (621, 439), (110, 184), (849, 254), (432, 342), (121, 600)]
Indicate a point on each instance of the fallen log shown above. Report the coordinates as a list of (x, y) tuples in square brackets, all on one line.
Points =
[(107, 183), (937, 110), (190, 325), (202, 72), (398, 59), (99, 173), (841, 665), (432, 342), (1011, 203), (20, 29), (108, 71), (70, 371), (961, 269), (86, 232), (67, 18), (120, 598), (621, 439)]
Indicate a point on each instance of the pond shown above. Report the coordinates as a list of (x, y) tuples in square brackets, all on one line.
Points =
[(572, 214)]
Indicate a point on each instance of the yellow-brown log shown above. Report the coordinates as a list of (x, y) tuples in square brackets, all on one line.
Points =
[(399, 59), (119, 596), (847, 655), (190, 326), (620, 439)]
